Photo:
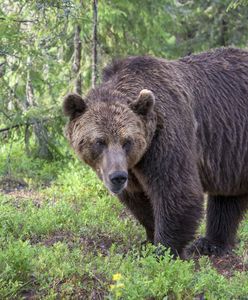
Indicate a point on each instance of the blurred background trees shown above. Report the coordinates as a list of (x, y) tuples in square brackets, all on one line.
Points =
[(48, 48)]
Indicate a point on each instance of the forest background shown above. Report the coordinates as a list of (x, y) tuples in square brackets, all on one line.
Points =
[(47, 49)]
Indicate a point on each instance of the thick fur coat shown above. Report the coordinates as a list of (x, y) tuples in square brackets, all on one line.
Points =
[(178, 129)]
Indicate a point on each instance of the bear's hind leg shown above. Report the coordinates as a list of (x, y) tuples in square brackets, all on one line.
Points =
[(224, 214)]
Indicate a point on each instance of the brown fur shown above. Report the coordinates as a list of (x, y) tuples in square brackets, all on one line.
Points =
[(185, 134)]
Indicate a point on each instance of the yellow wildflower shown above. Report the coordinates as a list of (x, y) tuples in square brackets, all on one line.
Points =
[(117, 276)]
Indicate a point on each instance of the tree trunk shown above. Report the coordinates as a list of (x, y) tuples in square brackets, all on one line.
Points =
[(94, 45), (77, 60), (223, 32), (40, 130)]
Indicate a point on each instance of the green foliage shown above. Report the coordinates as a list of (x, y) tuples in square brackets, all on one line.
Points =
[(32, 170), (144, 33), (37, 43), (144, 276), (216, 286), (37, 39), (235, 3), (69, 239), (65, 237), (16, 265)]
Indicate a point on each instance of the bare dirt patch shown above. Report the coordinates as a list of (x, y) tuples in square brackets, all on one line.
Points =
[(84, 287), (10, 184), (20, 196), (102, 244), (95, 244), (228, 264)]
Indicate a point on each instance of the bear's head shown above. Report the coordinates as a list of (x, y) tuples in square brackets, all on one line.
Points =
[(110, 136)]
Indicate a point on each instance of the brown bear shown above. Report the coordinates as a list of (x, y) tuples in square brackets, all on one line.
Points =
[(161, 133)]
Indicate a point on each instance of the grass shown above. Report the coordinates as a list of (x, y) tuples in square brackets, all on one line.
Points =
[(65, 237)]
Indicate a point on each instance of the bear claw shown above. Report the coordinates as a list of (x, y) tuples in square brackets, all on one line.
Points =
[(203, 246)]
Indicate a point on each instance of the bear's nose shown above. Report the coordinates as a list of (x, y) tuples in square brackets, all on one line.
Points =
[(118, 177)]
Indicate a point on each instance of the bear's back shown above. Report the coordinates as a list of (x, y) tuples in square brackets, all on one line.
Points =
[(221, 110), (216, 86)]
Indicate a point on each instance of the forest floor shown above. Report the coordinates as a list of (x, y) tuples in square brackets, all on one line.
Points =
[(62, 236)]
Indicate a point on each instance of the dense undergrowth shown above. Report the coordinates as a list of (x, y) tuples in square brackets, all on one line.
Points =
[(64, 237)]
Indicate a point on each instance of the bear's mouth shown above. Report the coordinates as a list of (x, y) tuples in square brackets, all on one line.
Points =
[(117, 190)]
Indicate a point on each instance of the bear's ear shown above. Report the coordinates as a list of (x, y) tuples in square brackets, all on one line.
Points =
[(144, 104), (73, 106)]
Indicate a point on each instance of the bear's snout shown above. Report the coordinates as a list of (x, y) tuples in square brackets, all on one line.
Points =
[(118, 178)]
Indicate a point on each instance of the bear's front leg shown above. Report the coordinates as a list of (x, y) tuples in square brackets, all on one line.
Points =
[(176, 195), (176, 220), (139, 205)]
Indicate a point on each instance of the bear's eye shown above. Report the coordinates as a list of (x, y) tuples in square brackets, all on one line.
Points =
[(99, 144), (127, 145), (80, 144)]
